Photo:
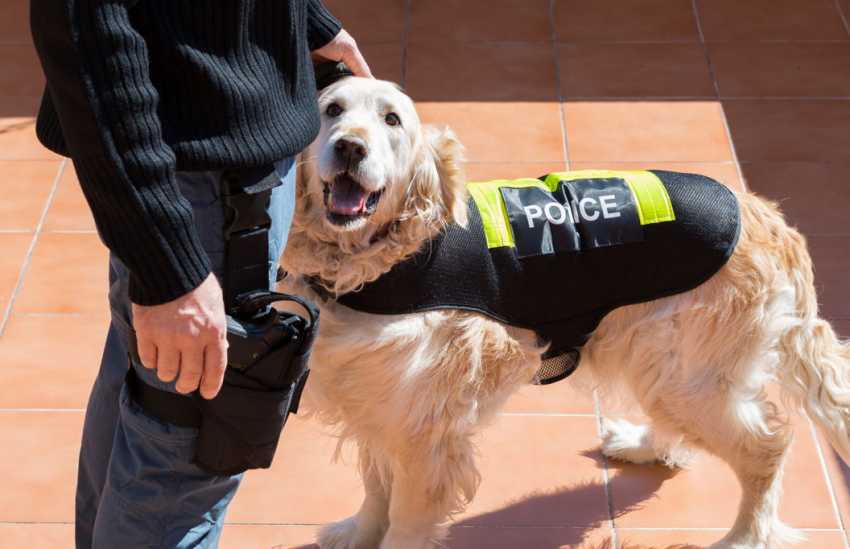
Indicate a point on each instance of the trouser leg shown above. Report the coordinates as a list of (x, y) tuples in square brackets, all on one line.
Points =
[(98, 433), (137, 486)]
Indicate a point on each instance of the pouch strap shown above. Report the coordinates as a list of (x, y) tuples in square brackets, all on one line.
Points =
[(246, 195), (167, 407), (250, 302)]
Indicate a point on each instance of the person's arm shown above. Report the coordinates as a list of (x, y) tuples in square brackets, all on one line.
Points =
[(322, 26), (98, 79)]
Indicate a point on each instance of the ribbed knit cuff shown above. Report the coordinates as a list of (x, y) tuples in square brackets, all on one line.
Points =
[(151, 230), (322, 27), (47, 127), (143, 293)]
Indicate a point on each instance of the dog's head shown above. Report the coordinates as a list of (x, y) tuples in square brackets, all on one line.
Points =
[(375, 185), (374, 163)]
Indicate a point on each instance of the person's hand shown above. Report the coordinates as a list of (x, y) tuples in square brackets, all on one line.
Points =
[(344, 48), (186, 339)]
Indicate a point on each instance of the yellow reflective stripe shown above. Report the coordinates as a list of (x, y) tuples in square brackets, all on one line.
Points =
[(494, 216), (653, 202)]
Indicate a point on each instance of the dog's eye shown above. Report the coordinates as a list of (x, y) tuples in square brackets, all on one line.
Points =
[(392, 119), (333, 110)]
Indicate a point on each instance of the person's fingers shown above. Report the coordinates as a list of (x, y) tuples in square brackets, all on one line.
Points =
[(355, 61), (215, 361), (147, 353), (191, 368), (344, 48), (167, 362)]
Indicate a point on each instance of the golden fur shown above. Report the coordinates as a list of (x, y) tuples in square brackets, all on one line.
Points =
[(412, 390)]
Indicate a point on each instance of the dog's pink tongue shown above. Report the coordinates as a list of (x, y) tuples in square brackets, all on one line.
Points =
[(347, 197)]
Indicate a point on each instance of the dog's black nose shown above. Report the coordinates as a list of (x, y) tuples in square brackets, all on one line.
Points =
[(352, 151)]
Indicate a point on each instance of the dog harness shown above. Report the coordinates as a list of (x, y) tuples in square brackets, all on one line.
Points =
[(558, 253)]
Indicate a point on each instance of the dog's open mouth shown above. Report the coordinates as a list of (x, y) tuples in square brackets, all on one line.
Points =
[(346, 200)]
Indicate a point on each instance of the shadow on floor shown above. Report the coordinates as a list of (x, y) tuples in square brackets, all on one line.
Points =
[(583, 518), (844, 468)]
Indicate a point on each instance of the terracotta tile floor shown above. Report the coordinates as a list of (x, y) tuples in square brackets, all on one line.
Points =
[(753, 92)]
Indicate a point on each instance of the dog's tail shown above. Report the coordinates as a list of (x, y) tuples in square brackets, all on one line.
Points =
[(815, 369), (817, 377)]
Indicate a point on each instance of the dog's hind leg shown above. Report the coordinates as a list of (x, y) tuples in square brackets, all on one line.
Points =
[(365, 529), (747, 432), (758, 461)]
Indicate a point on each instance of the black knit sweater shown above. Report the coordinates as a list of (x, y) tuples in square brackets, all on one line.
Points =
[(139, 89)]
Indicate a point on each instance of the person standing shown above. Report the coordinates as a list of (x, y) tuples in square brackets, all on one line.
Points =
[(156, 102)]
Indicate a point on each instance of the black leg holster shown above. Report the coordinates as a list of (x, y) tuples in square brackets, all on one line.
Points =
[(266, 372), (267, 361)]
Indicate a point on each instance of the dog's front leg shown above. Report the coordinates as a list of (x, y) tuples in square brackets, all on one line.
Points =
[(415, 514), (426, 491), (365, 529)]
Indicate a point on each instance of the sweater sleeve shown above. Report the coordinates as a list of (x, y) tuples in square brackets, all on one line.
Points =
[(322, 27), (98, 78)]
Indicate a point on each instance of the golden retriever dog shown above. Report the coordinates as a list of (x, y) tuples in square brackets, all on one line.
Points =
[(412, 390)]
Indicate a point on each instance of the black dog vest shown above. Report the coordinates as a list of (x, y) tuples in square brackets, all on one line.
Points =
[(557, 254)]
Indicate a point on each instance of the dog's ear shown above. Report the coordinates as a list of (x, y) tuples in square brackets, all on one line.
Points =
[(302, 177), (449, 158), (444, 168)]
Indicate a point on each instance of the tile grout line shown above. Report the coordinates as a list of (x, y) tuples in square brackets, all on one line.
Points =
[(453, 525), (58, 160), (501, 527), (41, 410), (28, 257), (716, 84), (623, 42), (720, 162), (544, 414), (609, 496), (638, 98), (553, 36), (812, 234), (51, 315), (35, 522), (829, 485), (785, 97), (843, 16), (831, 235), (405, 38), (486, 526), (707, 529)]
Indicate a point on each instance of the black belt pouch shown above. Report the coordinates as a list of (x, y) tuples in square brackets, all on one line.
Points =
[(266, 372)]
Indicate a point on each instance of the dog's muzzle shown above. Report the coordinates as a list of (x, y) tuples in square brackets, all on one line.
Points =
[(346, 200)]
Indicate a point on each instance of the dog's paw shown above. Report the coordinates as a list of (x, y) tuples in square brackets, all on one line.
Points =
[(626, 441), (396, 539), (724, 544), (781, 535), (348, 534)]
